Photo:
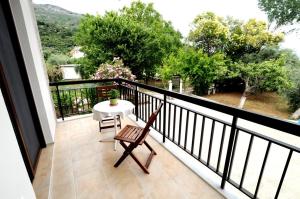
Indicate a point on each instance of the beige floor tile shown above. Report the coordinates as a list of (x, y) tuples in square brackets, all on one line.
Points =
[(84, 168), (64, 191), (42, 193), (92, 185)]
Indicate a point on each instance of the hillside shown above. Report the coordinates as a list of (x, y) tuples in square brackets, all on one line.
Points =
[(57, 27), (56, 15)]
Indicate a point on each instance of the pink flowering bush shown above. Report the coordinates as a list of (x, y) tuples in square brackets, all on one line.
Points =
[(114, 70)]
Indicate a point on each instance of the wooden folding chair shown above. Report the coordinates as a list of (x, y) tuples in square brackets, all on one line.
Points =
[(102, 94), (136, 136)]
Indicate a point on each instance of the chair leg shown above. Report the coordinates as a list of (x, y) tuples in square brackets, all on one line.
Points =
[(149, 147), (122, 158), (128, 151), (139, 163), (125, 154)]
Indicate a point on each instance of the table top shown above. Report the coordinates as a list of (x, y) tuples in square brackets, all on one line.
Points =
[(104, 109)]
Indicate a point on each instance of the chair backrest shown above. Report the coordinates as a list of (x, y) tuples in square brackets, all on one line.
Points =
[(151, 120), (102, 91)]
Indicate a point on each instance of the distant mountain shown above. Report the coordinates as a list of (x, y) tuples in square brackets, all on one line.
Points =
[(57, 27), (56, 15)]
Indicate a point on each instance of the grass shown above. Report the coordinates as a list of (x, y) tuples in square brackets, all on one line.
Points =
[(268, 103)]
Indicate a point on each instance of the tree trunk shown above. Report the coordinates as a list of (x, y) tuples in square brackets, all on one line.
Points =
[(244, 96), (243, 100)]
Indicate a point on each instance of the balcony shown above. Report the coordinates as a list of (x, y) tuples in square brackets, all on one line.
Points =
[(239, 153), (83, 168)]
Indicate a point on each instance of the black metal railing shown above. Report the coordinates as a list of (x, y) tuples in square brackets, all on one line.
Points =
[(211, 140)]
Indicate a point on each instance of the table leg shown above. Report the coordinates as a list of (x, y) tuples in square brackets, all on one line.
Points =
[(115, 123)]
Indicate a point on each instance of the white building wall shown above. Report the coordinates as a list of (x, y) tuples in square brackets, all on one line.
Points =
[(14, 180), (27, 30), (69, 72)]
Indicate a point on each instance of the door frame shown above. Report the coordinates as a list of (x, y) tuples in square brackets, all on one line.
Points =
[(11, 28)]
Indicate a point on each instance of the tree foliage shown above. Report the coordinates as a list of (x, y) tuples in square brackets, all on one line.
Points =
[(137, 34), (231, 36), (55, 39), (282, 12), (263, 76), (58, 59), (201, 69), (249, 37), (209, 33)]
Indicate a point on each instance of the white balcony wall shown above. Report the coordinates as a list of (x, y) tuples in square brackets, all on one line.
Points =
[(27, 30), (14, 180)]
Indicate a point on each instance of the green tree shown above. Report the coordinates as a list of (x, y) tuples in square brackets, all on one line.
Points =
[(268, 75), (282, 12), (200, 68), (137, 34), (209, 33), (55, 39), (249, 37), (230, 36), (58, 59)]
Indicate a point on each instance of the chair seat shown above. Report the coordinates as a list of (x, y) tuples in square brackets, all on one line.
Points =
[(130, 134)]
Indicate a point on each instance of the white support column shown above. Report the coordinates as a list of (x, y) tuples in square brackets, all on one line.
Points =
[(170, 85), (180, 86), (29, 39)]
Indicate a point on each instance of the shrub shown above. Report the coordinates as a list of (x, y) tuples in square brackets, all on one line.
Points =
[(114, 70), (293, 96), (54, 72)]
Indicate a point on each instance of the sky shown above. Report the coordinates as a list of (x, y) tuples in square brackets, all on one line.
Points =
[(180, 12)]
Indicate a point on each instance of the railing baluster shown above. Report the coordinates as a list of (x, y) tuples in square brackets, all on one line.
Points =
[(63, 102), (149, 112), (210, 142), (221, 147), (174, 123), (262, 169), (136, 102), (179, 129), (283, 173), (164, 119), (194, 131), (142, 106), (160, 116), (70, 101), (152, 104), (76, 101), (87, 98), (59, 103), (201, 137), (229, 150), (233, 153), (169, 120), (82, 102), (155, 123), (186, 128), (145, 107), (246, 161)]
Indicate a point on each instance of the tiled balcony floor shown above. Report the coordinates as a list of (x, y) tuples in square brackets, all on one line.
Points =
[(83, 168)]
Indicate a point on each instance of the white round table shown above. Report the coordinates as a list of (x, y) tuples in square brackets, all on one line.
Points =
[(104, 109)]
